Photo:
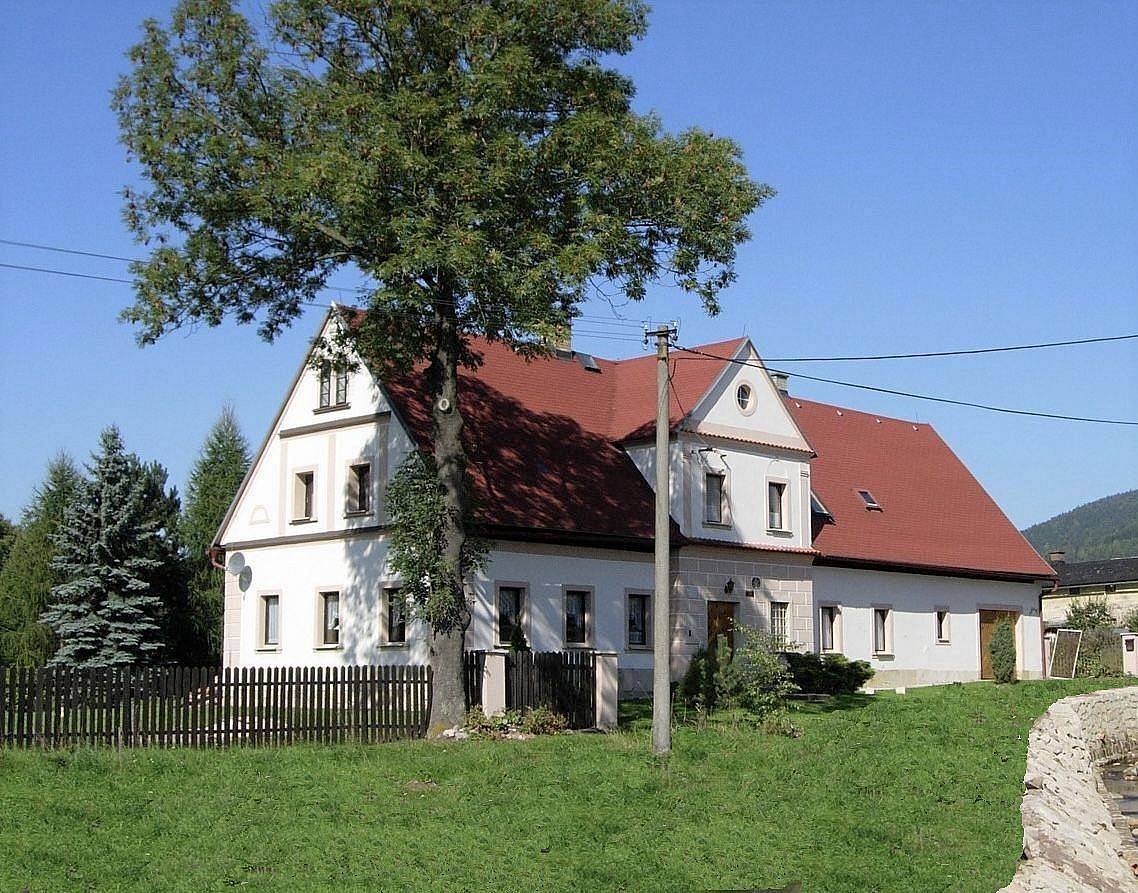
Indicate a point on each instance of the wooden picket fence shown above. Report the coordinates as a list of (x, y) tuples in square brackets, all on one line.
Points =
[(473, 664), (564, 681), (210, 707)]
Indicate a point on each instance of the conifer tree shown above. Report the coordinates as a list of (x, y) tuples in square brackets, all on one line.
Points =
[(27, 577), (8, 532), (119, 563), (218, 472)]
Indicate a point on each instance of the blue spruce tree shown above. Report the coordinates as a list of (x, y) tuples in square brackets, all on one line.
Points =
[(119, 562)]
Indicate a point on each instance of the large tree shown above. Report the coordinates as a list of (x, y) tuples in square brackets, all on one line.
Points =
[(120, 599), (473, 159), (27, 577), (218, 472)]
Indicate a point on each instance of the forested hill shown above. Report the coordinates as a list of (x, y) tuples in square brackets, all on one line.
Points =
[(1105, 528)]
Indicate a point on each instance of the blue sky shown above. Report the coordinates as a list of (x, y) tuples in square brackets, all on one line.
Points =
[(949, 175)]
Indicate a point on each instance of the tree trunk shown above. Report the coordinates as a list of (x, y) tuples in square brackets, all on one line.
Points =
[(448, 703)]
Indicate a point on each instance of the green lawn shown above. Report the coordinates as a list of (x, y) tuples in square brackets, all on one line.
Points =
[(902, 793)]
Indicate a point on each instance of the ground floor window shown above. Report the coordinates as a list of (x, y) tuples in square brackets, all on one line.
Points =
[(639, 618), (779, 612), (270, 621), (828, 627), (511, 601), (329, 618), (394, 617), (577, 611), (942, 625), (881, 618)]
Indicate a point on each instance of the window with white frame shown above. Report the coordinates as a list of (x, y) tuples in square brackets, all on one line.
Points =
[(304, 496), (394, 617), (333, 382), (715, 497), (329, 606), (341, 387), (828, 627), (639, 612), (270, 621), (511, 604), (578, 611), (776, 505), (942, 624), (882, 629), (359, 488), (779, 612), (325, 385)]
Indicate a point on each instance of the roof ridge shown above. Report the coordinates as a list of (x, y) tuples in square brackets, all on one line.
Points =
[(845, 409)]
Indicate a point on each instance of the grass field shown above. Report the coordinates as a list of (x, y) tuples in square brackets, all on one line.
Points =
[(889, 793)]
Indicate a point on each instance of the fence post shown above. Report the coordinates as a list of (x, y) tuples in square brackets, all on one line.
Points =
[(494, 683), (1130, 654), (608, 685)]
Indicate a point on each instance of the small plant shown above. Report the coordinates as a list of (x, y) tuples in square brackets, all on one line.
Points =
[(518, 639), (543, 721), (759, 678), (779, 723), (827, 674), (1091, 613), (697, 689), (1002, 652)]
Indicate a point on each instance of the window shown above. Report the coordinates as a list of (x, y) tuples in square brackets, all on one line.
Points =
[(359, 488), (776, 497), (778, 621), (511, 601), (1110, 588), (394, 617), (942, 625), (577, 610), (270, 621), (341, 387), (829, 627), (714, 495), (871, 504), (329, 618), (745, 399), (881, 630), (325, 385), (639, 620), (328, 376), (303, 496)]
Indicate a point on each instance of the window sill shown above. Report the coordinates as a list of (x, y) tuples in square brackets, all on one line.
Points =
[(302, 521), (640, 648), (392, 645), (577, 646), (336, 407), (943, 642), (328, 647), (268, 649), (779, 531), (366, 513), (717, 525), (883, 655)]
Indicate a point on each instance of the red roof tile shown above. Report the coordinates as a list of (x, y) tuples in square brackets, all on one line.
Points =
[(934, 512)]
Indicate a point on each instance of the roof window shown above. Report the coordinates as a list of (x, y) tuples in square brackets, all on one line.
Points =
[(871, 504)]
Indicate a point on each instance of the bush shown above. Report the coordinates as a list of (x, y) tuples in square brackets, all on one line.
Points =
[(543, 721), (1002, 652), (1089, 614), (1100, 654), (697, 688), (1130, 620), (829, 674), (754, 679)]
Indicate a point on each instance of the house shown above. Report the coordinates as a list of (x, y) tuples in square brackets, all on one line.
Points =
[(1112, 580), (836, 529)]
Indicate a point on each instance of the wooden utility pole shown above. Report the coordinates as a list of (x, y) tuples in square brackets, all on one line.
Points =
[(661, 601)]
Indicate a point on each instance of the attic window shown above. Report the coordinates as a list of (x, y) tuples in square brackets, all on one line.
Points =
[(745, 398), (871, 504)]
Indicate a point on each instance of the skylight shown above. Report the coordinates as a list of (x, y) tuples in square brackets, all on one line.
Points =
[(871, 504)]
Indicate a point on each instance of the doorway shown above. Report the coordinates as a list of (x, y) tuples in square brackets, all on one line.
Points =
[(720, 622), (988, 621)]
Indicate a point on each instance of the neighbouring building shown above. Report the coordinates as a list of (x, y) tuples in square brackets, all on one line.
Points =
[(1111, 580), (840, 530)]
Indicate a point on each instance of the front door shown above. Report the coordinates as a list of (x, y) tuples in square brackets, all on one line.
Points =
[(720, 622), (988, 621)]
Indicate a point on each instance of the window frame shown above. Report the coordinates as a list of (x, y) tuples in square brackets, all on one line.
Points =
[(589, 623), (324, 386), (321, 626), (869, 500), (886, 650), (340, 379), (262, 620), (649, 598), (353, 490), (386, 588), (296, 516), (945, 627), (523, 611), (785, 635), (724, 499), (784, 506), (749, 409), (835, 628)]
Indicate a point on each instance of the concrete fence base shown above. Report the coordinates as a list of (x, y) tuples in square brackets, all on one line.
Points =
[(1071, 841), (607, 687)]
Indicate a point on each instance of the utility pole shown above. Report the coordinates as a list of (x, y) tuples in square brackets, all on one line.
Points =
[(661, 602)]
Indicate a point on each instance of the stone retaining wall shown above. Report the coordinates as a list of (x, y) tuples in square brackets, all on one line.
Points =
[(1070, 838)]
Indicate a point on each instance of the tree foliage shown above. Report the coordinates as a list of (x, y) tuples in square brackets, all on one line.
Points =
[(27, 577), (1105, 528), (1090, 613), (8, 532), (120, 599), (217, 474), (1002, 652)]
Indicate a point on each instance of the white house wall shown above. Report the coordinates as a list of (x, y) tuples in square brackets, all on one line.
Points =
[(918, 659)]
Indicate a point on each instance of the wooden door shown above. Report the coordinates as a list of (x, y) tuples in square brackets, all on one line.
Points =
[(988, 621), (720, 622)]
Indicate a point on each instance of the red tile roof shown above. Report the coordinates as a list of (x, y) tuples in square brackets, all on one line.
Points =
[(934, 512), (543, 438)]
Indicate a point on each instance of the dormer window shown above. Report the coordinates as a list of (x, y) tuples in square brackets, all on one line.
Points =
[(871, 504), (333, 382), (715, 498)]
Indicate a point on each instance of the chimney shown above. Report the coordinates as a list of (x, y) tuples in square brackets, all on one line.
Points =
[(1056, 556), (561, 340), (781, 382)]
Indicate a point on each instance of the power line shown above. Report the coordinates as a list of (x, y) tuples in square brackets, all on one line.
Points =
[(966, 403), (66, 273), (953, 353)]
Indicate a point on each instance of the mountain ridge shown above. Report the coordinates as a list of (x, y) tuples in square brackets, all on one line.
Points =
[(1102, 528)]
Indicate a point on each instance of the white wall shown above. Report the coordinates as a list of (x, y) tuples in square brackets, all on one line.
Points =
[(914, 598)]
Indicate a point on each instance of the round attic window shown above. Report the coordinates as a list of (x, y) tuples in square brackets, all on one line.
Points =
[(745, 398)]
